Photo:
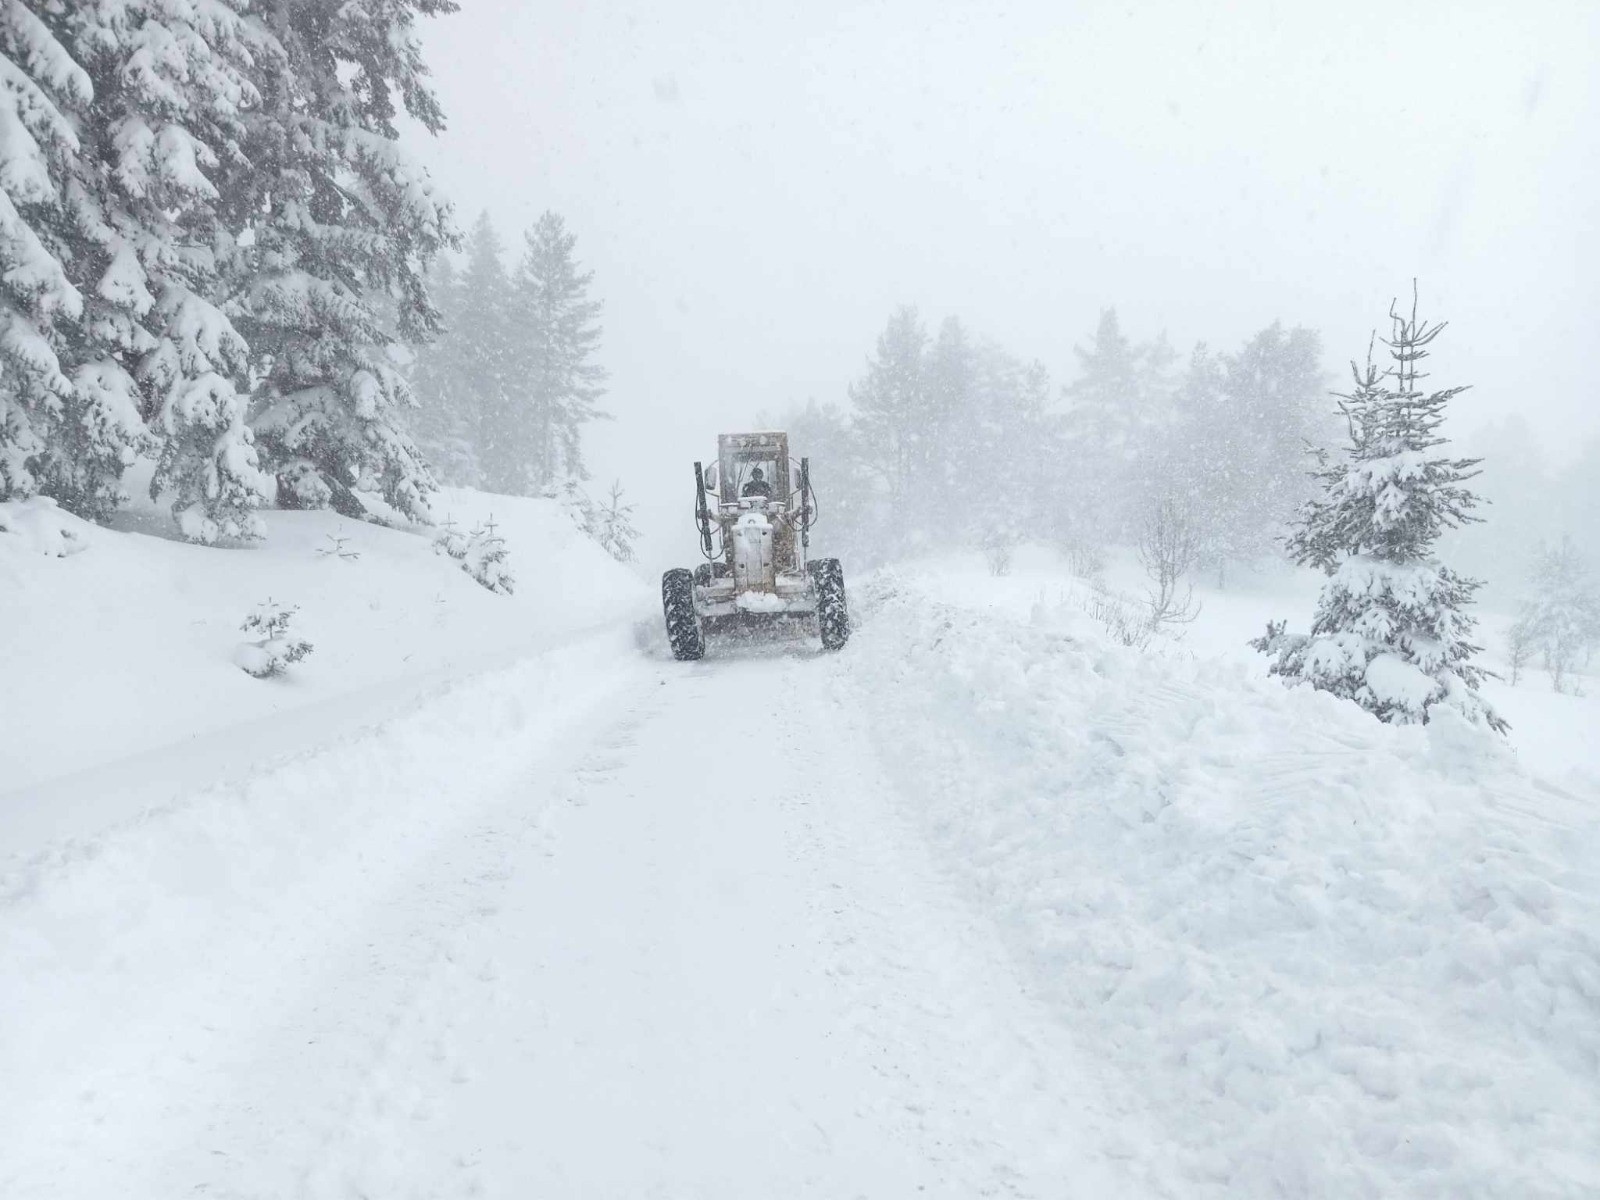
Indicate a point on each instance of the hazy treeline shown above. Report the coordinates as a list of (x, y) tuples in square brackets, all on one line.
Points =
[(951, 438), (506, 390), (1534, 502)]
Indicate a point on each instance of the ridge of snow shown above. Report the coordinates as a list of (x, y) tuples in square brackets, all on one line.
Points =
[(1318, 954)]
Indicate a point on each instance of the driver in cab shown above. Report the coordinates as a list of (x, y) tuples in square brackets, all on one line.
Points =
[(758, 486)]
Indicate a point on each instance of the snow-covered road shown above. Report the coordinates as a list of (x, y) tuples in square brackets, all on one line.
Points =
[(684, 949)]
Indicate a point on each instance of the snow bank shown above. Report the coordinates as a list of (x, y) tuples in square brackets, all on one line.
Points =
[(1319, 955), (120, 685)]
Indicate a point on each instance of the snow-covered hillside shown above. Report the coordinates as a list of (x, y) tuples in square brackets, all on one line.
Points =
[(121, 688)]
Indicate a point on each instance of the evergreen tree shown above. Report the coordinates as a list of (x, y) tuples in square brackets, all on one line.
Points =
[(891, 403), (171, 84), (447, 414), (1391, 631), (488, 365), (342, 230), (559, 331), (1561, 619), (849, 500), (1118, 416), (1006, 458), (1198, 459), (40, 85), (950, 429), (1272, 414)]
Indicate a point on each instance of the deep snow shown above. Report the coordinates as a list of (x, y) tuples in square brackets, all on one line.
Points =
[(121, 689), (1317, 954), (490, 897)]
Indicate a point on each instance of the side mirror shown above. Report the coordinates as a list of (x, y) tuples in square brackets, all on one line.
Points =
[(713, 479)]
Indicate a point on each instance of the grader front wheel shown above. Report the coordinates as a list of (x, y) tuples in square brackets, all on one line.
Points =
[(683, 626)]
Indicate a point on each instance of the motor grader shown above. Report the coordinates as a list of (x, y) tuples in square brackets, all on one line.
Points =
[(754, 509)]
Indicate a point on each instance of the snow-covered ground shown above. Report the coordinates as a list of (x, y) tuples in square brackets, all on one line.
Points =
[(121, 690), (490, 897)]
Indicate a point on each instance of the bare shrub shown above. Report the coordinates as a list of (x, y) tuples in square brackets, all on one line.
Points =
[(1084, 559), (1124, 620), (998, 547), (1168, 548)]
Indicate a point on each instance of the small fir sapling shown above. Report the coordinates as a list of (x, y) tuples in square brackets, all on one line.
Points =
[(335, 549), (481, 554), (614, 528), (276, 647)]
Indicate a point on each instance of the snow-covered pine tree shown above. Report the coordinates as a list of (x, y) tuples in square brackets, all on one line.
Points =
[(446, 418), (1197, 458), (483, 365), (492, 360), (171, 84), (1273, 409), (952, 425), (891, 403), (40, 84), (342, 227), (843, 479), (557, 332), (1004, 455), (1560, 621), (1118, 416), (1391, 630)]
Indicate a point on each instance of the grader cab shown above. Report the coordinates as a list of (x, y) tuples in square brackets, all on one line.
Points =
[(754, 509)]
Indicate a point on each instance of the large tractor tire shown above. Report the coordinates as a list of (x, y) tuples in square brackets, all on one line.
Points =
[(683, 627), (833, 616)]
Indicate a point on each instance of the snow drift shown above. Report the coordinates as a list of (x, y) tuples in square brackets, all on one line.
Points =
[(1318, 954)]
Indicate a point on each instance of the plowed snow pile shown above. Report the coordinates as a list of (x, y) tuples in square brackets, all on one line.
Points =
[(1316, 954)]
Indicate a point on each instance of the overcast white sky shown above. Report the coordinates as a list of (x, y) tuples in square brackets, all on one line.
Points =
[(757, 185)]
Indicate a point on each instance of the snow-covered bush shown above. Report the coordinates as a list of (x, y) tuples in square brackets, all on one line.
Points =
[(276, 647), (999, 545), (482, 554), (42, 527), (1391, 630)]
